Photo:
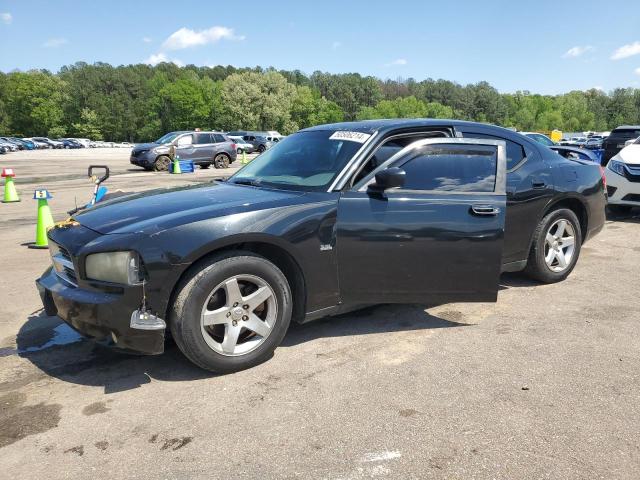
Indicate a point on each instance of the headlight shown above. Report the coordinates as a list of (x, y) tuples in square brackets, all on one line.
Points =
[(616, 167), (114, 267)]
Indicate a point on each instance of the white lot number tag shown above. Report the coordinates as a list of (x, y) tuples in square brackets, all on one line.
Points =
[(350, 136)]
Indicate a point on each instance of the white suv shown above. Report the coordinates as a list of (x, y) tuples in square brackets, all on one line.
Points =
[(623, 178)]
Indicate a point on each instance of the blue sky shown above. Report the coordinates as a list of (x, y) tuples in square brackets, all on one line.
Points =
[(543, 46)]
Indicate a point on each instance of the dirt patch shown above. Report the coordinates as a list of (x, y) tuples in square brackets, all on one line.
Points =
[(18, 421), (79, 450), (102, 445), (176, 443), (95, 408)]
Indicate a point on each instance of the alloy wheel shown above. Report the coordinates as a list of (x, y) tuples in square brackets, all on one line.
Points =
[(559, 245), (238, 315)]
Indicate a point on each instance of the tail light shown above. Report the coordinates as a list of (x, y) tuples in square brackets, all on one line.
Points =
[(234, 146), (604, 177)]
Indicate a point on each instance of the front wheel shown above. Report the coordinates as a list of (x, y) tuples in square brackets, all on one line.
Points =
[(261, 149), (221, 161), (162, 163), (231, 312), (556, 247)]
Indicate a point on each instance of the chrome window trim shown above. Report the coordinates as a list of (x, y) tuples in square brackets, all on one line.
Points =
[(338, 182), (385, 141), (500, 186)]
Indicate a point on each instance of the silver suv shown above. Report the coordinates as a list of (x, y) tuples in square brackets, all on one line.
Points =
[(203, 148)]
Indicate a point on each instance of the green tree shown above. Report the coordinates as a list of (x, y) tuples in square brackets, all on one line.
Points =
[(258, 101), (88, 126)]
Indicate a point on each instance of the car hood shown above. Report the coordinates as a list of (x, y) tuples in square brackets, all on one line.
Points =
[(156, 210), (145, 146), (629, 154)]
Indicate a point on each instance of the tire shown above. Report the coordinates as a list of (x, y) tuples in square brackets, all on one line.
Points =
[(205, 290), (261, 149), (221, 160), (619, 209), (162, 163), (543, 247)]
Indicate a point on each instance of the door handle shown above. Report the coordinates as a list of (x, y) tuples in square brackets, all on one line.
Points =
[(538, 185), (484, 210)]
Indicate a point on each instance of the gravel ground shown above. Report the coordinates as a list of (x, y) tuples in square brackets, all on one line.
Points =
[(543, 384)]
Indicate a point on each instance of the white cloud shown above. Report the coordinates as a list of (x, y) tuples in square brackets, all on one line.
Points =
[(55, 42), (598, 87), (577, 51), (626, 51), (6, 18), (637, 71), (336, 45), (146, 39), (396, 63), (185, 37), (157, 58)]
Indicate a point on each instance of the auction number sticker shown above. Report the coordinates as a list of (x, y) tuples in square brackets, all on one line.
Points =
[(350, 136)]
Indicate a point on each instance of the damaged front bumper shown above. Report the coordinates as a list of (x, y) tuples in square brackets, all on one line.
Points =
[(102, 316)]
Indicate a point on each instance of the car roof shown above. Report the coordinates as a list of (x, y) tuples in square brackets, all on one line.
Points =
[(371, 126), (627, 127)]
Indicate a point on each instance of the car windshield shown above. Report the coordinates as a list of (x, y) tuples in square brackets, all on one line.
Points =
[(625, 133), (169, 137), (304, 161)]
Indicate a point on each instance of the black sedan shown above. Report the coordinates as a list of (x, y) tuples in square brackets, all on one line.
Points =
[(330, 219)]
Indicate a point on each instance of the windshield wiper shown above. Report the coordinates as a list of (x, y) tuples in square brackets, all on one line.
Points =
[(247, 181)]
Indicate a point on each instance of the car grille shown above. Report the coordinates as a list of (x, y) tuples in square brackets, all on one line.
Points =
[(137, 153), (632, 174), (63, 263)]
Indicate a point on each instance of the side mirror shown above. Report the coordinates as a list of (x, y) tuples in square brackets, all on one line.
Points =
[(390, 178)]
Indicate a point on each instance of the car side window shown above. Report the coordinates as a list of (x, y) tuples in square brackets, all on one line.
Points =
[(203, 138), (185, 140), (515, 152), (217, 138), (451, 168)]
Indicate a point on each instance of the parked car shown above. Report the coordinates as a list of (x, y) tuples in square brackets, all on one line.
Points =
[(241, 145), (616, 140), (38, 144), (48, 141), (259, 142), (203, 148), (9, 145), (85, 142), (593, 143), (623, 178), (26, 145), (332, 218), (576, 153), (540, 138), (4, 148), (69, 143), (17, 145)]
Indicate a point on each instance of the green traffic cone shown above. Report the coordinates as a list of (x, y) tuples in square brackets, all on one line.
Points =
[(244, 157), (45, 220), (176, 165), (10, 192)]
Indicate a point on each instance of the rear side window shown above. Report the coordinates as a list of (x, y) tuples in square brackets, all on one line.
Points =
[(217, 138), (202, 138), (625, 134), (515, 151), (452, 168)]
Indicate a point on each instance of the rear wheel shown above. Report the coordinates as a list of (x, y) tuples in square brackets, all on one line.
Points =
[(261, 148), (232, 312), (162, 163), (221, 160), (556, 246)]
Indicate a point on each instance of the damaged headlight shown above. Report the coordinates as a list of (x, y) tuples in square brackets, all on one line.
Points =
[(114, 267)]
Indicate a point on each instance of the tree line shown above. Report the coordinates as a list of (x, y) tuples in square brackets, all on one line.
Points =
[(141, 102)]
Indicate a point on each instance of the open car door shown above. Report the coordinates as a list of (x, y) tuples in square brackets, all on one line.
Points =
[(436, 238)]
